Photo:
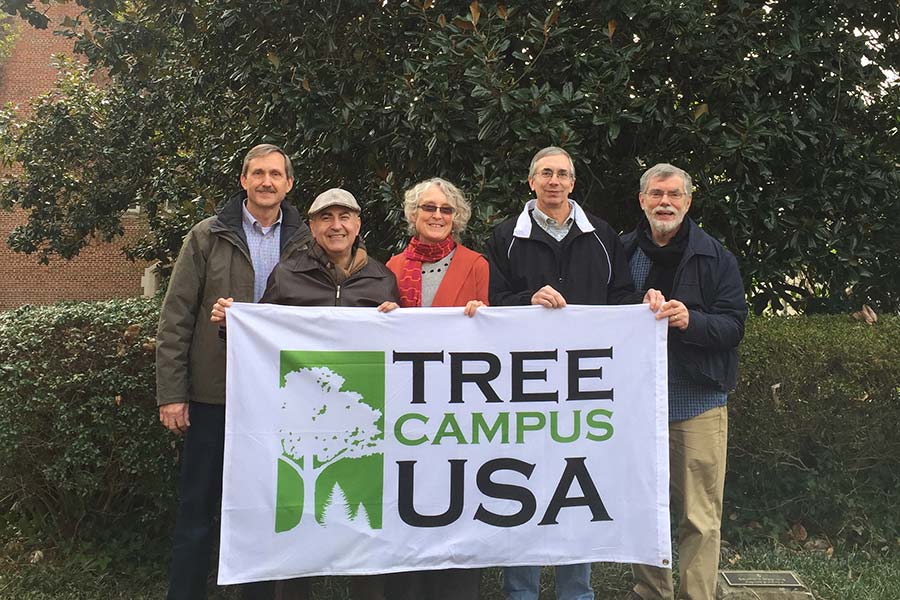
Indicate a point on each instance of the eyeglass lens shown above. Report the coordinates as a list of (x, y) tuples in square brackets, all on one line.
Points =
[(430, 208), (548, 173)]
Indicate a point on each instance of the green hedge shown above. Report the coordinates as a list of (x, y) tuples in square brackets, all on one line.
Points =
[(815, 428), (81, 449)]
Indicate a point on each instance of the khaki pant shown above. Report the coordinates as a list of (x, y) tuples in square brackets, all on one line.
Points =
[(697, 450)]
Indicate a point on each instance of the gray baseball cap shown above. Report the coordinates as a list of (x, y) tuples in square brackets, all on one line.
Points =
[(333, 197)]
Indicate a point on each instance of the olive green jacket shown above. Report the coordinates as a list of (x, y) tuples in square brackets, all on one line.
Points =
[(214, 263)]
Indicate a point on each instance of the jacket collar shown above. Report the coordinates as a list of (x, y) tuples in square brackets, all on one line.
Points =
[(230, 215), (699, 242), (230, 212), (524, 223), (303, 262)]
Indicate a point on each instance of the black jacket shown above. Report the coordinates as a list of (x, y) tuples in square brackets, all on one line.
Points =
[(303, 281), (589, 266), (709, 283)]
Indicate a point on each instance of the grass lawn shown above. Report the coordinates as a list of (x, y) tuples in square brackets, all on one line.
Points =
[(81, 575)]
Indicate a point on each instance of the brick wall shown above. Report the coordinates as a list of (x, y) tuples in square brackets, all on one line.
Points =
[(101, 271), (27, 71)]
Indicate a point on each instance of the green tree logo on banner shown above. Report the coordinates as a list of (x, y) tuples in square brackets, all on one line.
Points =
[(332, 463)]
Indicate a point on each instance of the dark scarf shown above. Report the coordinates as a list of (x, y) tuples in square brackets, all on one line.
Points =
[(664, 259), (416, 253)]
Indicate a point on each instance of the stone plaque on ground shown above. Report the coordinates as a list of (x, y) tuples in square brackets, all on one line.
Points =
[(761, 585)]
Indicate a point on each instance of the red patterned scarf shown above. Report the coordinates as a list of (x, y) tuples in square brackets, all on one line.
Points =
[(416, 253)]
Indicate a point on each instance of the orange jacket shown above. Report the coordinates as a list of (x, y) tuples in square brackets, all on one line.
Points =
[(466, 279)]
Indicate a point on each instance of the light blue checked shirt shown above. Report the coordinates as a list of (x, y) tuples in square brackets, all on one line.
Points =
[(687, 399), (265, 248)]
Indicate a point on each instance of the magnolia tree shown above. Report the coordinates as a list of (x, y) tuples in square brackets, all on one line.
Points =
[(323, 424), (785, 114)]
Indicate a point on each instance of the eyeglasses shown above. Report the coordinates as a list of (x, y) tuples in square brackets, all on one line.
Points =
[(431, 208), (549, 173), (660, 194)]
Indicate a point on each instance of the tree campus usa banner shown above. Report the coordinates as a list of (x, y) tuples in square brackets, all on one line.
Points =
[(359, 442)]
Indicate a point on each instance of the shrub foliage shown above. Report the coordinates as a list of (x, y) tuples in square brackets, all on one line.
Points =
[(81, 447), (786, 113), (814, 424)]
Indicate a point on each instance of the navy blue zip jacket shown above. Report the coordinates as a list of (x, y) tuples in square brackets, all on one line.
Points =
[(709, 283)]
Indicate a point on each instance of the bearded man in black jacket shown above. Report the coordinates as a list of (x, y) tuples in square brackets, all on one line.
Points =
[(706, 312)]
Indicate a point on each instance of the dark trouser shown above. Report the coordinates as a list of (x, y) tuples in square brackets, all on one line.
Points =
[(199, 493), (362, 587), (445, 584)]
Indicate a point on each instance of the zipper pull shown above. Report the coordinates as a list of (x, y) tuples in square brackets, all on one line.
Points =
[(337, 296)]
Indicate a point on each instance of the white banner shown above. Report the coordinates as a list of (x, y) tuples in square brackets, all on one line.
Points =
[(358, 442)]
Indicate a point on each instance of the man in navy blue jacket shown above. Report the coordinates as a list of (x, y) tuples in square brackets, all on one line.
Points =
[(706, 312), (552, 254)]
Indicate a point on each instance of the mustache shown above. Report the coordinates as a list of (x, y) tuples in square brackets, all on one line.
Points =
[(660, 209)]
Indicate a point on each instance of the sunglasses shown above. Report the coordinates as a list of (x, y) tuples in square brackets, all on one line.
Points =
[(431, 208)]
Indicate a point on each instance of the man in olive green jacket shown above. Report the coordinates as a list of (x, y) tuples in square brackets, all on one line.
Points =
[(228, 255)]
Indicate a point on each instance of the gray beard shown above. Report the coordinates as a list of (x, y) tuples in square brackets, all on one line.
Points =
[(665, 226)]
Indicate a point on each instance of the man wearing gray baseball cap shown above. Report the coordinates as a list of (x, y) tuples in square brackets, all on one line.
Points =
[(335, 271)]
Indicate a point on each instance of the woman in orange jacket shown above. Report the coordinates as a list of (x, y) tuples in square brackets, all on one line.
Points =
[(435, 270)]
